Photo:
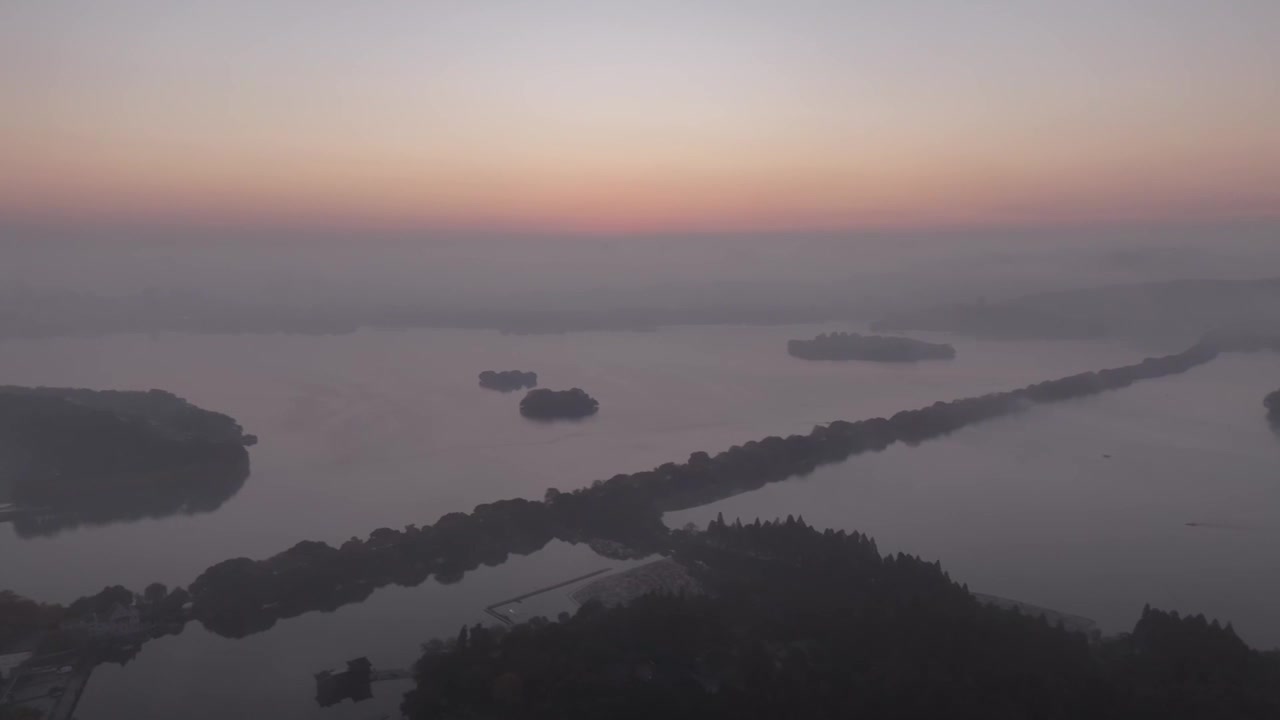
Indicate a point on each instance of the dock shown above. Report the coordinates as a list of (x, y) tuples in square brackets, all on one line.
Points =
[(665, 576), (49, 686), (492, 609), (354, 683)]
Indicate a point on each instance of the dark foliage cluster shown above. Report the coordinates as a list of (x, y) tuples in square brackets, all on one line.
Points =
[(241, 596), (19, 712), (101, 451), (156, 603), (20, 618), (877, 348), (1172, 666), (166, 413), (27, 625), (552, 404), (802, 623), (508, 380), (1272, 403)]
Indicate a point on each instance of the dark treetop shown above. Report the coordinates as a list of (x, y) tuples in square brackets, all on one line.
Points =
[(877, 348), (1272, 403), (546, 404), (508, 380)]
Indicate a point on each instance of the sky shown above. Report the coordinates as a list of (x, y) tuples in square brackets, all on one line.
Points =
[(639, 117)]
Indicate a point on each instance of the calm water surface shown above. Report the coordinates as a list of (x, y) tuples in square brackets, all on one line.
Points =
[(1183, 514), (383, 428), (201, 676)]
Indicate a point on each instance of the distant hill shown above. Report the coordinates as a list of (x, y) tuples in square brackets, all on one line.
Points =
[(1182, 309)]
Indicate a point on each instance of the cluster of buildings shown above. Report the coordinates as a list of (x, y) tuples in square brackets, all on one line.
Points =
[(49, 676)]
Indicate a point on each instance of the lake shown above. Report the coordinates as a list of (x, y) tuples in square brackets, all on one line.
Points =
[(1165, 492), (201, 676), (388, 428), (382, 428)]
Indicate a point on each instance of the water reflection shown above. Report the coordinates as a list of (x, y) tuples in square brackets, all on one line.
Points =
[(391, 428), (202, 490), (272, 674)]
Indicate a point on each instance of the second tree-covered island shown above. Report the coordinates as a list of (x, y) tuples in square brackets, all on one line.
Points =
[(875, 348), (545, 404)]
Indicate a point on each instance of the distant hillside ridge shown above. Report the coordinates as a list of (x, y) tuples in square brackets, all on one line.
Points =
[(1183, 309)]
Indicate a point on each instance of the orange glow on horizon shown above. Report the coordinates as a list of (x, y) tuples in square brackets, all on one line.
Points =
[(624, 200), (678, 118)]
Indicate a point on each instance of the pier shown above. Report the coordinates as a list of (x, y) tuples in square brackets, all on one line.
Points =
[(354, 683), (50, 684), (334, 686), (492, 609)]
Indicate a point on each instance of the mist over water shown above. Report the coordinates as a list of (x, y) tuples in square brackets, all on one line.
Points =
[(1160, 493), (102, 279), (433, 314), (1084, 507), (1157, 493), (390, 428)]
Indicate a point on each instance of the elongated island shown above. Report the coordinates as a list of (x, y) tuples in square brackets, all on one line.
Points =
[(874, 348)]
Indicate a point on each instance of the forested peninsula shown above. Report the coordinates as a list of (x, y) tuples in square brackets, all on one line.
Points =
[(75, 453)]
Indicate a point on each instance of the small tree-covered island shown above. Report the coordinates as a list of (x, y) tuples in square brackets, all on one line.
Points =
[(553, 404), (110, 452), (508, 380), (874, 348)]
